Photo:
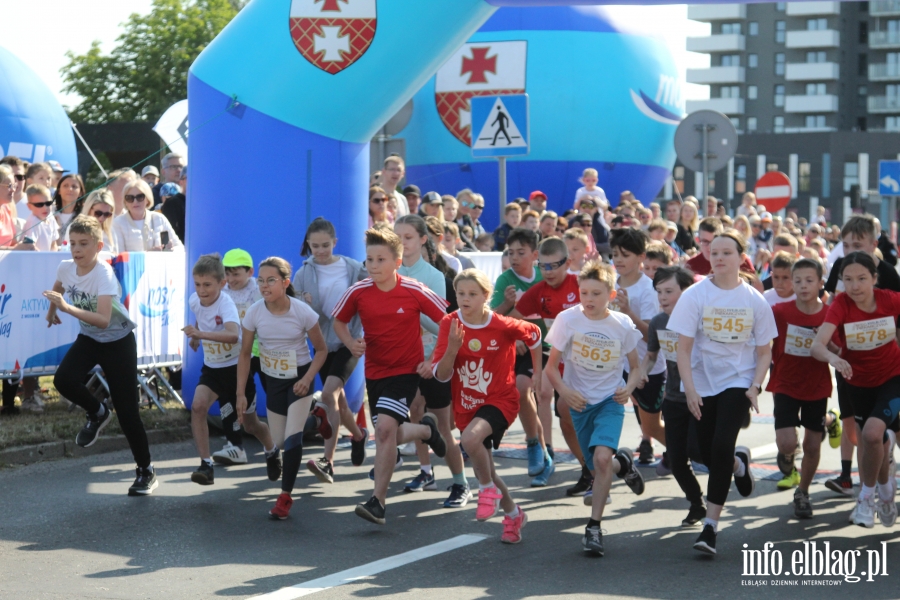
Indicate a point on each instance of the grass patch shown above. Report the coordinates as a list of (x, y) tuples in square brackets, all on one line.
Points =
[(59, 423)]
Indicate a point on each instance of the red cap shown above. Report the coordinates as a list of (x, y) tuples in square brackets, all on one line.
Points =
[(537, 194)]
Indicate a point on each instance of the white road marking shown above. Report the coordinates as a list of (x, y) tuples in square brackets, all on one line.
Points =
[(373, 568)]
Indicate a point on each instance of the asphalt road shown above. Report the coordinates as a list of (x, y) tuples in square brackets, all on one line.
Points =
[(69, 531)]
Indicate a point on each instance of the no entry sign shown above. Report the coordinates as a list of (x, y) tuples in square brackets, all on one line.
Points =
[(773, 190)]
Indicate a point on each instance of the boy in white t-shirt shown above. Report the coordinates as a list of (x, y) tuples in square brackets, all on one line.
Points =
[(39, 227), (595, 344), (782, 284), (590, 178)]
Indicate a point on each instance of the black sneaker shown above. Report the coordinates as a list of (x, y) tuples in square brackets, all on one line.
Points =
[(744, 484), (802, 505), (436, 441), (397, 465), (371, 511), (696, 514), (9, 411), (584, 483), (631, 475), (459, 496), (204, 475), (358, 449), (273, 464), (145, 482), (645, 453), (91, 430), (322, 469), (785, 463), (593, 541), (706, 542)]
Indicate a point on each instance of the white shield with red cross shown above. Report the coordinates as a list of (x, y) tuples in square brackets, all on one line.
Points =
[(477, 69), (333, 34)]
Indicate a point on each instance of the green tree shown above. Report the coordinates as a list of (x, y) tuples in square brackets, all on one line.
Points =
[(147, 70)]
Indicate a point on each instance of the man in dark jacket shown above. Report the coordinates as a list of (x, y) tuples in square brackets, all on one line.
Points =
[(174, 208)]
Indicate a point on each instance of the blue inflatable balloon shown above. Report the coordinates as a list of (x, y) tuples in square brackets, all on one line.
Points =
[(33, 125)]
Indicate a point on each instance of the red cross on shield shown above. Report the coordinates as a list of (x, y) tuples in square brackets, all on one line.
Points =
[(333, 34)]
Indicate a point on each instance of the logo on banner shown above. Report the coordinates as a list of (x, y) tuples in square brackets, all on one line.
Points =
[(5, 322), (333, 34), (156, 304), (668, 93), (477, 69)]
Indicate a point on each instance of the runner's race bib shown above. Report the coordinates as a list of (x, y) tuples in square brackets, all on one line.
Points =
[(728, 325), (798, 341), (595, 353), (242, 309), (280, 364), (668, 344), (217, 353), (868, 335)]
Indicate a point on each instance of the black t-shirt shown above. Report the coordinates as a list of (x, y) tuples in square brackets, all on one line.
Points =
[(888, 279), (173, 210)]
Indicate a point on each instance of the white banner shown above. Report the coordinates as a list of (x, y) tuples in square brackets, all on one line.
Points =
[(488, 262), (172, 127)]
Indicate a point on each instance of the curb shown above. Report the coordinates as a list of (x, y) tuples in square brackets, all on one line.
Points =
[(24, 455)]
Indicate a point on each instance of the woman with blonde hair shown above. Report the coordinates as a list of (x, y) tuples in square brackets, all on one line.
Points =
[(378, 207), (8, 214), (140, 229), (101, 205), (688, 222), (742, 226)]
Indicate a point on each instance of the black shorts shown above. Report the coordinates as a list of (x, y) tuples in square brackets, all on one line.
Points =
[(392, 396), (280, 392), (650, 397), (223, 383), (845, 403), (256, 369), (340, 364), (494, 417), (790, 412), (436, 393), (524, 366), (882, 402)]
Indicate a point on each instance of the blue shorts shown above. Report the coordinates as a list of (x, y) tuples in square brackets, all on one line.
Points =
[(599, 425)]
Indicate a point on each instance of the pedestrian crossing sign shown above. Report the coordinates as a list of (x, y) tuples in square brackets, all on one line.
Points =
[(501, 125)]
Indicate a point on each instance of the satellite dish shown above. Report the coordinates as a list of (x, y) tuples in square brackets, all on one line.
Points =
[(706, 131)]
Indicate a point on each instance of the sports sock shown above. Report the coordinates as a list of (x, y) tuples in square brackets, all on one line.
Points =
[(460, 479), (531, 442), (101, 412), (208, 461), (481, 487), (427, 469), (593, 523), (866, 492), (513, 513), (274, 449), (885, 491), (845, 468), (711, 523), (741, 469)]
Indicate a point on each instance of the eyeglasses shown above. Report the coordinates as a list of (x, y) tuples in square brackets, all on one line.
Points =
[(41, 204), (135, 198), (478, 206), (553, 265), (377, 200), (587, 205), (99, 214), (560, 230), (268, 282), (20, 178)]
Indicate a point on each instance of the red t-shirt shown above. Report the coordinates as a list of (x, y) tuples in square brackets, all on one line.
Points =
[(484, 369), (794, 371), (700, 266), (390, 323), (868, 340), (547, 302)]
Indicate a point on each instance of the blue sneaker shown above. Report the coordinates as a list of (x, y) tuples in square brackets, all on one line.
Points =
[(542, 479), (535, 460), (423, 481)]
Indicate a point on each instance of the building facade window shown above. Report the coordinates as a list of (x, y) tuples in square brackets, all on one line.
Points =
[(804, 172), (779, 31), (753, 28), (816, 24), (751, 123), (731, 60), (731, 27), (740, 179), (753, 60), (851, 175), (815, 89), (736, 121), (780, 6), (779, 63), (771, 167), (779, 95), (778, 124), (892, 123), (730, 91), (863, 32), (752, 92), (815, 121), (815, 57), (862, 65)]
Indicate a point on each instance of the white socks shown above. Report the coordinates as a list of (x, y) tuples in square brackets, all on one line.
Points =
[(885, 491), (711, 523), (426, 468), (866, 492), (741, 469)]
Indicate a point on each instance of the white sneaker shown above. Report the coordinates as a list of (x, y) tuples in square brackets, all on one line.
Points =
[(865, 512), (230, 455), (33, 405), (408, 449)]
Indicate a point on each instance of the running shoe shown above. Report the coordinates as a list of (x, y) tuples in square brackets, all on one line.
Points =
[(544, 478), (407, 449), (324, 427), (706, 541), (371, 511), (835, 429), (358, 448), (584, 483), (592, 541), (422, 481), (488, 503), (397, 465), (887, 507), (322, 469), (33, 405), (9, 411), (662, 467), (436, 441), (273, 464), (230, 455), (865, 512), (535, 459), (696, 513), (785, 464), (631, 475), (745, 484), (789, 481), (144, 483), (840, 484), (802, 505), (589, 498), (459, 496), (204, 475), (512, 527), (645, 452), (282, 507), (91, 430)]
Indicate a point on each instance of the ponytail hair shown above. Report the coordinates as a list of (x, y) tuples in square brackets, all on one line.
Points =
[(284, 269), (318, 225), (436, 228)]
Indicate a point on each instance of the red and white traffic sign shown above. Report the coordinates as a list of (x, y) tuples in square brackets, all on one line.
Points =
[(773, 191)]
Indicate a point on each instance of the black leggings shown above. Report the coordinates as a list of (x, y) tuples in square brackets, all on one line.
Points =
[(10, 387), (119, 363), (717, 431), (680, 429)]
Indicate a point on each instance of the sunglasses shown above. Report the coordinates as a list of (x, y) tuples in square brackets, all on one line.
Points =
[(377, 200), (478, 206), (553, 265), (20, 178), (99, 214), (41, 204), (587, 205), (135, 198)]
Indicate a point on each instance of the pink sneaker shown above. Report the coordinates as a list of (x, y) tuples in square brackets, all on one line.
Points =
[(282, 507), (512, 527), (488, 503)]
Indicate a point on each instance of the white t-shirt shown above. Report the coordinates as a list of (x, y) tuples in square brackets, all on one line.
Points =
[(332, 280), (22, 210), (282, 337), (594, 350), (643, 300), (213, 318), (44, 233), (244, 298), (452, 261), (740, 319), (82, 292), (597, 192), (64, 219), (773, 298)]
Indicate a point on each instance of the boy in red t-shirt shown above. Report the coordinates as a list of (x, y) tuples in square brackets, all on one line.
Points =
[(800, 384), (479, 346), (389, 306)]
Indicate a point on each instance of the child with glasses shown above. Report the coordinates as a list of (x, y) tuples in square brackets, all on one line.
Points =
[(101, 205), (40, 228)]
